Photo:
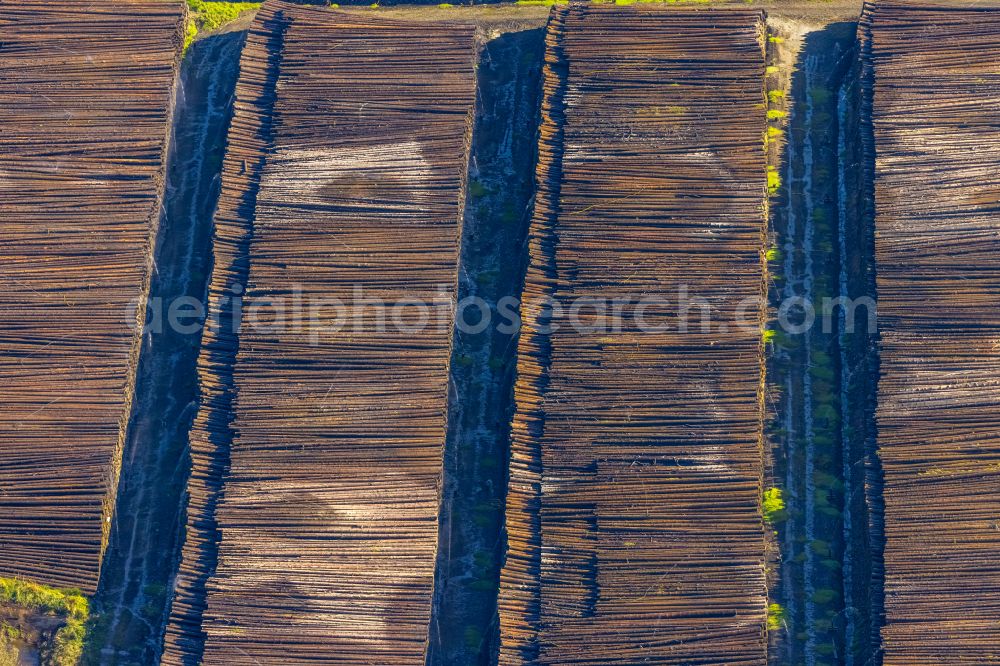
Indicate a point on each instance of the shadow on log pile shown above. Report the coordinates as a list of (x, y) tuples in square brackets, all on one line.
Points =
[(634, 521), (331, 499), (934, 88), (464, 629), (142, 554), (211, 434), (86, 96)]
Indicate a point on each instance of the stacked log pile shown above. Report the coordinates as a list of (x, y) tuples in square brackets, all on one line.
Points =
[(328, 514), (85, 100), (933, 85), (249, 140), (634, 521)]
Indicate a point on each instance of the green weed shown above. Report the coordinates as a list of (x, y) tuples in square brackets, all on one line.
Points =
[(66, 647), (775, 617), (773, 505), (473, 637), (832, 565), (773, 180), (819, 95), (190, 32), (477, 189), (824, 596), (820, 547), (486, 278)]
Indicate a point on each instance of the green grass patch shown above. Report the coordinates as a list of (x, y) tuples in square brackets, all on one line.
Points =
[(477, 189), (823, 625), (9, 633), (819, 95), (66, 646), (483, 561), (830, 512), (824, 596), (473, 637), (821, 548), (822, 373), (208, 15), (776, 114), (820, 357), (773, 180), (9, 654), (509, 215), (773, 505), (775, 617), (44, 599), (190, 32), (486, 278), (483, 514), (832, 565), (827, 412), (828, 481), (482, 585), (9, 637)]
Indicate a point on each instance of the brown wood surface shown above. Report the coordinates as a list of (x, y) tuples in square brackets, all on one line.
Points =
[(329, 506), (633, 514), (933, 84), (85, 100)]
